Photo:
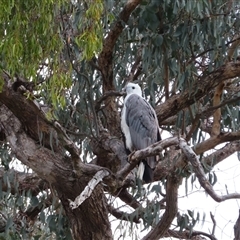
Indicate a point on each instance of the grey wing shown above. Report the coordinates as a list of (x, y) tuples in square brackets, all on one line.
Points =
[(142, 123)]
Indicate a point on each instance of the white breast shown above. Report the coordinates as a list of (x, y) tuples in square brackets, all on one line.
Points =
[(125, 128)]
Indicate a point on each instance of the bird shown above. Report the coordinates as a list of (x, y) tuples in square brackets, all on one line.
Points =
[(140, 128)]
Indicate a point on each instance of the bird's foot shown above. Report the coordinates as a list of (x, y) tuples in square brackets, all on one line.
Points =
[(130, 156)]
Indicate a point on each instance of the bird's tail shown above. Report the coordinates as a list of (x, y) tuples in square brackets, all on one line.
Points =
[(145, 172)]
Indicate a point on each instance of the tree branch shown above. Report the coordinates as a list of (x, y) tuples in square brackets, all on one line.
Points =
[(105, 57), (105, 63), (152, 150), (205, 84), (123, 215), (221, 154), (237, 228), (216, 140), (188, 235), (105, 96), (171, 209), (86, 193), (217, 114), (126, 197), (214, 223), (26, 182), (197, 168)]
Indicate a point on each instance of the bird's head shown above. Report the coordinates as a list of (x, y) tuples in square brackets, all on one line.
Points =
[(133, 88)]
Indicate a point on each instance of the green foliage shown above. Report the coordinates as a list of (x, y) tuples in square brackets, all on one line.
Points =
[(56, 45), (5, 154), (29, 35), (188, 221), (89, 25)]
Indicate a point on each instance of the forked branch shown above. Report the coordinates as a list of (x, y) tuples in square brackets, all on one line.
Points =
[(198, 169)]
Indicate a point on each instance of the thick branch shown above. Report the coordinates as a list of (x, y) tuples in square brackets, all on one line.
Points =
[(221, 154), (126, 197), (217, 114), (25, 182), (237, 228), (204, 85), (34, 121), (216, 140), (171, 210), (105, 57)]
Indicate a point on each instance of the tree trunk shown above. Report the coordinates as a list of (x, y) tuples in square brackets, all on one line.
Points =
[(237, 228), (49, 161), (90, 219)]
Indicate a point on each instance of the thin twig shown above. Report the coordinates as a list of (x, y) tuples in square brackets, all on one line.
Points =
[(214, 223)]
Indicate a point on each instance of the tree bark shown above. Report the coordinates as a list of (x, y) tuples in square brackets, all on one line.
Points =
[(237, 228), (170, 212), (20, 126)]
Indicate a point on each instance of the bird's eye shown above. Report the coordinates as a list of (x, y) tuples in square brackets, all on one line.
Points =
[(133, 87)]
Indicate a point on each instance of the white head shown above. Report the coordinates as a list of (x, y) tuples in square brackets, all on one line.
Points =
[(133, 88)]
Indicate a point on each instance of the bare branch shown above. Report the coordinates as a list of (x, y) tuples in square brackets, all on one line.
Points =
[(204, 85), (200, 115), (221, 154), (126, 197), (237, 228), (216, 140), (123, 215), (152, 150), (214, 223), (198, 169), (171, 209), (86, 193), (187, 234), (105, 96)]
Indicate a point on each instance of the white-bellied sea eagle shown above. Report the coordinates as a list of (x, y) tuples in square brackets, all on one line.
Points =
[(140, 127)]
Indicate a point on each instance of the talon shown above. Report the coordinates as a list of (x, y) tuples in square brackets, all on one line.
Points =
[(130, 156)]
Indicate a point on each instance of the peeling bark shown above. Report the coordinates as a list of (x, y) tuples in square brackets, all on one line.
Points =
[(217, 114)]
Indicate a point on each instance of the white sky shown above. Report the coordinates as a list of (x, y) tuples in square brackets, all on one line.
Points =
[(225, 213)]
